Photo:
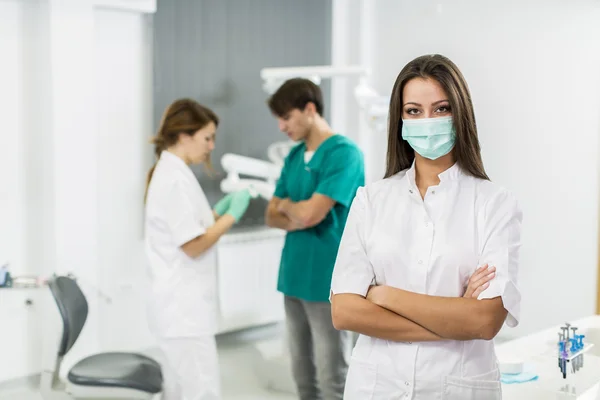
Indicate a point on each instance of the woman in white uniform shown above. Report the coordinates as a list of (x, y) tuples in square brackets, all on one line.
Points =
[(181, 230), (411, 242)]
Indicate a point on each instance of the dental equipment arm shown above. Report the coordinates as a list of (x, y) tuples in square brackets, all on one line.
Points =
[(449, 317), (275, 219), (254, 186), (354, 313), (235, 164), (307, 213), (278, 151)]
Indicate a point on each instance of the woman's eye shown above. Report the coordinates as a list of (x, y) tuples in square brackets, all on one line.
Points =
[(412, 111), (443, 109)]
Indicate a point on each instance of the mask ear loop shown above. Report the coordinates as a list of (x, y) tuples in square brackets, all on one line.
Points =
[(399, 133)]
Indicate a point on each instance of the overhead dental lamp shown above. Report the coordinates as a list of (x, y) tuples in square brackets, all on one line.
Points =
[(274, 77)]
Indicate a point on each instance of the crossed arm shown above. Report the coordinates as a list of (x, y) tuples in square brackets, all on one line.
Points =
[(407, 316), (399, 315), (290, 216), (355, 313), (457, 318)]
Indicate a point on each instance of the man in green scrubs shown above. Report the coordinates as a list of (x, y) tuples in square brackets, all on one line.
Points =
[(318, 182)]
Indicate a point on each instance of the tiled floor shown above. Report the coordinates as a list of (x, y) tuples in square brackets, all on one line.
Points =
[(238, 370)]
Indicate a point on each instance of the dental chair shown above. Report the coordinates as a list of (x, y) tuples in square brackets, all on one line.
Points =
[(111, 375)]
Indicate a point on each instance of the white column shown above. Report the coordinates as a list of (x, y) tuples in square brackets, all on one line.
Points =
[(123, 64), (374, 143), (73, 133), (352, 44), (69, 167), (344, 51), (339, 56)]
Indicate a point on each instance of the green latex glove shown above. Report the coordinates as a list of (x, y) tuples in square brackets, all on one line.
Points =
[(223, 205), (239, 204)]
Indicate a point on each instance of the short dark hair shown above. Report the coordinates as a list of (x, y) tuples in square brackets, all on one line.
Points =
[(296, 93)]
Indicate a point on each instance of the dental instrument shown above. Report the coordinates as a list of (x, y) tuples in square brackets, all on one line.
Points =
[(573, 355)]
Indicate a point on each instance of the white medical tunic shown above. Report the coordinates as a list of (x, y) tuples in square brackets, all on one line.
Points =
[(183, 293), (430, 246)]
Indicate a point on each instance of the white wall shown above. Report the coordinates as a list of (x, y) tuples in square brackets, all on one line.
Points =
[(12, 214), (13, 310), (532, 68), (76, 110)]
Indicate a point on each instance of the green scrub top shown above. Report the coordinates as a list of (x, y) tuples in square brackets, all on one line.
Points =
[(335, 170)]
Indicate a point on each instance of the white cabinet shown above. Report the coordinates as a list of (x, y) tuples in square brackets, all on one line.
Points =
[(20, 331), (248, 265)]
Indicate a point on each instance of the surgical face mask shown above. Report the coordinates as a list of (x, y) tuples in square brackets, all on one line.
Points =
[(430, 137)]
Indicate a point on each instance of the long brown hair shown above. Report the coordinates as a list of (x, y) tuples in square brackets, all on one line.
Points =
[(182, 117), (467, 150)]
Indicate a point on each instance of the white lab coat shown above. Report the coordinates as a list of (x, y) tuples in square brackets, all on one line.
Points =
[(431, 246), (182, 307)]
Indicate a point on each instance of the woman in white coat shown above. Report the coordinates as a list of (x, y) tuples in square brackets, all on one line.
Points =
[(411, 242), (181, 230)]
